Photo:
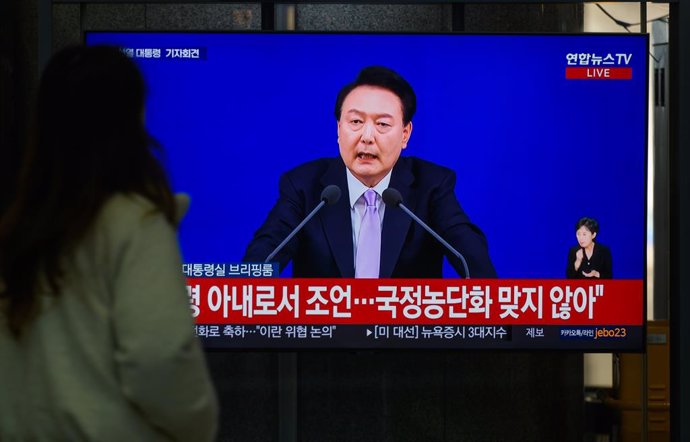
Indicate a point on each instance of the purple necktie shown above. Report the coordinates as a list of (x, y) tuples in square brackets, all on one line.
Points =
[(369, 242)]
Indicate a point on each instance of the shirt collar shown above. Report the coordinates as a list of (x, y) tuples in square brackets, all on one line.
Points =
[(356, 188)]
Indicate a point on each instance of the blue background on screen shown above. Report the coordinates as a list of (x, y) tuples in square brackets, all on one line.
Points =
[(533, 152)]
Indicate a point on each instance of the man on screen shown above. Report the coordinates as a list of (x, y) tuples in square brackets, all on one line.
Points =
[(358, 236)]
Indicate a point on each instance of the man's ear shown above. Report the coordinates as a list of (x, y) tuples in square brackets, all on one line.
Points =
[(407, 132)]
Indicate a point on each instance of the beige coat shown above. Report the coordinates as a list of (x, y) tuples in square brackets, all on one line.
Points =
[(114, 357)]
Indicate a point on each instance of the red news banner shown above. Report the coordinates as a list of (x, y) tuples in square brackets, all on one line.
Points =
[(416, 301)]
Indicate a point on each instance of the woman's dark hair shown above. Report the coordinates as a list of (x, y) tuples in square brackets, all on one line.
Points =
[(89, 142), (590, 223), (384, 78)]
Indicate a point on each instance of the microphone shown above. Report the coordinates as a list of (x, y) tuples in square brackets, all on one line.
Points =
[(329, 196), (393, 198)]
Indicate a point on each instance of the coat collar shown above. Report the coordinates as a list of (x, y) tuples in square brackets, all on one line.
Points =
[(336, 220), (396, 223)]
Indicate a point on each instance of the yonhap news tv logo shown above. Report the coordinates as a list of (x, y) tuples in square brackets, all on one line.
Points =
[(593, 66)]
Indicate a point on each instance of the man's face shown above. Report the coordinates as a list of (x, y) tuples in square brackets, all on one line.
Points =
[(371, 133)]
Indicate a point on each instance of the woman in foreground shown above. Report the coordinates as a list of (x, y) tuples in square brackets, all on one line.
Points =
[(96, 335)]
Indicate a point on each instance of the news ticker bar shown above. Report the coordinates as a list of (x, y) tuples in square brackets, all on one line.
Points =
[(274, 301), (339, 336)]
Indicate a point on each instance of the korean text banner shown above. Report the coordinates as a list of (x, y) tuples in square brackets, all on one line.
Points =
[(379, 313)]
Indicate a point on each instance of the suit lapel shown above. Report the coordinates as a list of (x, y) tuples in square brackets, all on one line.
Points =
[(396, 223), (336, 220)]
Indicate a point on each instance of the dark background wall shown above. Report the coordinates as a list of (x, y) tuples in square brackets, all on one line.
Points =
[(337, 396), (18, 79)]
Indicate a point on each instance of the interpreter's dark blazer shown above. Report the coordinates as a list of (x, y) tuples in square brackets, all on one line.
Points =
[(600, 261), (324, 247)]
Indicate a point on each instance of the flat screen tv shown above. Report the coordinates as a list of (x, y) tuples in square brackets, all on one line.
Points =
[(541, 131)]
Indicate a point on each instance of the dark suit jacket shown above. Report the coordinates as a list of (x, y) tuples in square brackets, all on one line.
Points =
[(324, 246)]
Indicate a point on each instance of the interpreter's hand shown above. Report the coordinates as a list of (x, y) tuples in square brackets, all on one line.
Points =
[(578, 258), (592, 274)]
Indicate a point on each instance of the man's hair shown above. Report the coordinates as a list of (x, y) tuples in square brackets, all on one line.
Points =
[(590, 223), (384, 78)]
